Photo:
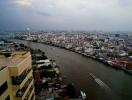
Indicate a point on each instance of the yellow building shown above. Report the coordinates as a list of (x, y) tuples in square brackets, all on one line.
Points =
[(16, 78)]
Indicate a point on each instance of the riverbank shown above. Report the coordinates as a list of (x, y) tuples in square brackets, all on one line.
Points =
[(108, 62), (49, 83), (76, 68)]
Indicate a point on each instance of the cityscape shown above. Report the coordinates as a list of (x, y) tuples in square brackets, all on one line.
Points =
[(112, 50), (65, 50)]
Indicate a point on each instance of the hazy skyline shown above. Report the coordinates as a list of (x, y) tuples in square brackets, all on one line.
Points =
[(107, 15)]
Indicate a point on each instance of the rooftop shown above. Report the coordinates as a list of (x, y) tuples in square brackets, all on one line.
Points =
[(13, 60)]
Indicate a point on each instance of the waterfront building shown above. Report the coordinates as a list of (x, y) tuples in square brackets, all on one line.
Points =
[(16, 81)]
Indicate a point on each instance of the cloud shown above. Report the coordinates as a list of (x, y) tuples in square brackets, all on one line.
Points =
[(72, 14), (125, 3), (24, 2), (42, 13)]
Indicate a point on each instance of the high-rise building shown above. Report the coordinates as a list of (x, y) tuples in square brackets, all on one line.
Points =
[(16, 78)]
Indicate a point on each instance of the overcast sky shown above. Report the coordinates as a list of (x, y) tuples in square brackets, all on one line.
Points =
[(111, 15)]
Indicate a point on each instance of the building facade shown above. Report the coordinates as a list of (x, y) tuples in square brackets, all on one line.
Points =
[(16, 78)]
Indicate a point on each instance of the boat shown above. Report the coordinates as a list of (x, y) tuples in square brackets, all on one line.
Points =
[(82, 95)]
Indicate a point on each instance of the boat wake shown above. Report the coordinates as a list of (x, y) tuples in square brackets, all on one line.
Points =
[(100, 82)]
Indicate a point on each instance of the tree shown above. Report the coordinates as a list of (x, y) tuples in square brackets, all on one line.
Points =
[(21, 45), (7, 54), (130, 52), (71, 90)]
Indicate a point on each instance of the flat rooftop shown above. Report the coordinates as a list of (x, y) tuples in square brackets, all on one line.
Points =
[(13, 60)]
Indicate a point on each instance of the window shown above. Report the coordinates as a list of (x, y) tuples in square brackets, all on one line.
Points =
[(3, 88), (7, 98)]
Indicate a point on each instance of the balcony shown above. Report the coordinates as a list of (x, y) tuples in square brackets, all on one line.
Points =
[(17, 80), (33, 97), (30, 93), (2, 67), (22, 91)]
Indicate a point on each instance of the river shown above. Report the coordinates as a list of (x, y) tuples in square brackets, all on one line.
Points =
[(109, 84)]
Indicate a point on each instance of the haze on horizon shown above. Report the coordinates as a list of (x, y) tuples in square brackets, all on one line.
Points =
[(107, 15)]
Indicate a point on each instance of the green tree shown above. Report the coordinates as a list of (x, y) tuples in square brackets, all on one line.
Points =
[(21, 45), (7, 54), (130, 52)]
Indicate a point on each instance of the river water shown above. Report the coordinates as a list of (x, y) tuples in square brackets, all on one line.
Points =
[(109, 84)]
